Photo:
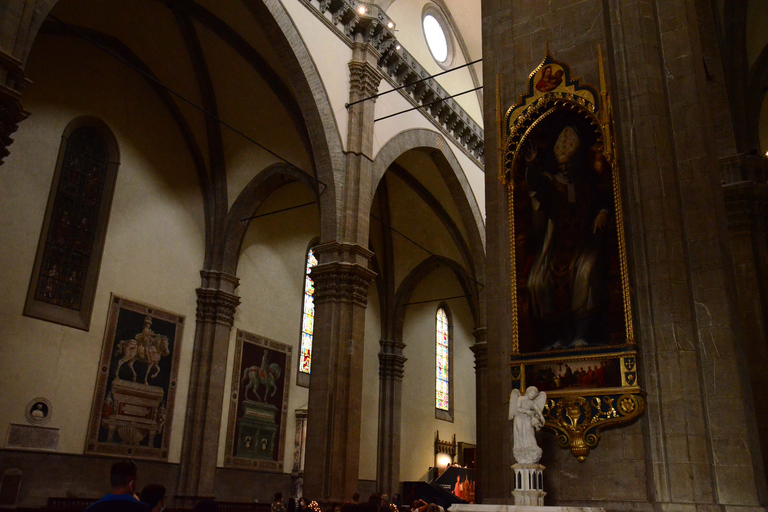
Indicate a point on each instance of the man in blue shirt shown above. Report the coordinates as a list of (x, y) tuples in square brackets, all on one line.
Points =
[(122, 477)]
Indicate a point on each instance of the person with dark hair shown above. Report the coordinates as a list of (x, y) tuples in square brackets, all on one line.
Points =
[(122, 477), (278, 505), (154, 496)]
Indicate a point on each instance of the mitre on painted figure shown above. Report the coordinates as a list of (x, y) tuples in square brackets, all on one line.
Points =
[(527, 415)]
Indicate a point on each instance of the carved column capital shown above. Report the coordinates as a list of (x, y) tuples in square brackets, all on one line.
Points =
[(391, 360), (342, 274), (364, 80), (342, 282), (216, 301), (746, 204), (480, 348)]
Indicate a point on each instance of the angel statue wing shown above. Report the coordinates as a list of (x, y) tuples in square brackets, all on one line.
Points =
[(540, 400), (513, 399)]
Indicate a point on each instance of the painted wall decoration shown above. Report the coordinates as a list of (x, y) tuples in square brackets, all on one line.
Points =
[(259, 403), (572, 332), (132, 409)]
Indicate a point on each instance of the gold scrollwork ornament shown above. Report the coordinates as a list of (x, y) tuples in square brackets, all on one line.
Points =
[(577, 420)]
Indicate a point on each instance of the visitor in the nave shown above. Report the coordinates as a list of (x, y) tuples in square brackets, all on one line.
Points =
[(154, 496), (122, 477)]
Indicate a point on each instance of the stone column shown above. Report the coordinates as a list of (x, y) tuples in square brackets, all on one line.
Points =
[(747, 205), (391, 366), (216, 305), (341, 281), (484, 442)]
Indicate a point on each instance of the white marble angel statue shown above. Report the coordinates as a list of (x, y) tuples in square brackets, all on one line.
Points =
[(527, 414)]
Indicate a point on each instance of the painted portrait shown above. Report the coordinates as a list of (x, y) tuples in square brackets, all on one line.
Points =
[(567, 270), (259, 403), (136, 386)]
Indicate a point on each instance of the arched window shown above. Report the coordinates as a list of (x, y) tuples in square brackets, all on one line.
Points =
[(443, 365), (307, 322), (66, 268)]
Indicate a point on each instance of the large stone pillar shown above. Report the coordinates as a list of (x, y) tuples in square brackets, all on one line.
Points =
[(391, 366), (484, 442), (747, 205), (341, 281), (216, 305)]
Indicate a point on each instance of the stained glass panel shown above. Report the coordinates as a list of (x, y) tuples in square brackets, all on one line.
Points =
[(69, 242), (442, 362), (308, 316)]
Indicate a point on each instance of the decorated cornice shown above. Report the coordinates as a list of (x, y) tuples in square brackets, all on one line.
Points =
[(400, 68)]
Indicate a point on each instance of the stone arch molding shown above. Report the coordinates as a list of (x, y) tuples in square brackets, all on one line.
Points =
[(451, 172), (304, 80)]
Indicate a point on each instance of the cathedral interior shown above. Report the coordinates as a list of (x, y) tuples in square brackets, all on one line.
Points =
[(316, 246)]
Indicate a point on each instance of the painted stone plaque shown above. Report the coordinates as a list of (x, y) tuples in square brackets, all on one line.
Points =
[(132, 411)]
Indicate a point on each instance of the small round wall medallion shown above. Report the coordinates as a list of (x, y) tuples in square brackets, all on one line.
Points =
[(39, 411)]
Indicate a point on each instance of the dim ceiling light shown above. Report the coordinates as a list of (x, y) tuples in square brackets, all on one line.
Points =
[(397, 47), (362, 9)]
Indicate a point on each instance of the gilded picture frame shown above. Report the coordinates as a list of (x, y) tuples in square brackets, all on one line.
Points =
[(572, 328)]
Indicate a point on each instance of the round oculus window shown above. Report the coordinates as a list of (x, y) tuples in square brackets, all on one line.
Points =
[(436, 38)]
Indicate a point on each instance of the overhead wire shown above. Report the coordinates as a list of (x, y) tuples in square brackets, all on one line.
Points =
[(427, 104), (378, 95), (180, 96)]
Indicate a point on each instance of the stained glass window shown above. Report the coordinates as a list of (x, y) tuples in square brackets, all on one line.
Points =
[(307, 317), (442, 362), (72, 239), (75, 212)]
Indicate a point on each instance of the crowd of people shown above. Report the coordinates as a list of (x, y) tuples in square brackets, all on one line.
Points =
[(125, 497)]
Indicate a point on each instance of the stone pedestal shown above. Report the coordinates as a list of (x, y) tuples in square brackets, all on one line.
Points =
[(257, 431), (529, 484), (135, 412)]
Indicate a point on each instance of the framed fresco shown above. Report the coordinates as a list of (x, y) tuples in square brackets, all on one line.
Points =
[(132, 409), (572, 332), (259, 403)]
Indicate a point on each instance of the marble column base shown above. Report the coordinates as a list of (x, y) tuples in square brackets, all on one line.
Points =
[(529, 484)]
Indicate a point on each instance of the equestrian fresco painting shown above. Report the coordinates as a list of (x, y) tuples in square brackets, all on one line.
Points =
[(259, 403), (133, 404)]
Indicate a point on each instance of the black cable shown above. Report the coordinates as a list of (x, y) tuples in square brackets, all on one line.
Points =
[(427, 104), (347, 105), (148, 76), (277, 211), (428, 251), (433, 300)]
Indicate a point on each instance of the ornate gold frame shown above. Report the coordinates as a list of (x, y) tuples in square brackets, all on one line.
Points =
[(577, 416)]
